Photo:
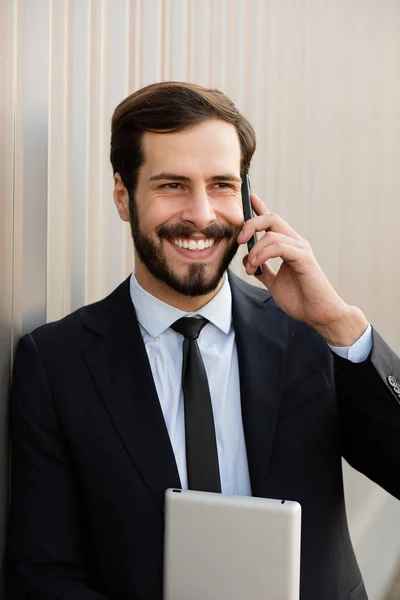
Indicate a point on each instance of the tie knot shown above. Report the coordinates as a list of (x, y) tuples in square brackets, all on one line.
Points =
[(189, 327)]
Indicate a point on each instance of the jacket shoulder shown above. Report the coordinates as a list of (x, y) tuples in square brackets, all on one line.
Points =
[(73, 323)]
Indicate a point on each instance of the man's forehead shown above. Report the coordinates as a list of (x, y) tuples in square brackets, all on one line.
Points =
[(209, 134), (207, 148)]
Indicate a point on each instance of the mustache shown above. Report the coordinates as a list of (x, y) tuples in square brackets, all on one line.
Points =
[(180, 230)]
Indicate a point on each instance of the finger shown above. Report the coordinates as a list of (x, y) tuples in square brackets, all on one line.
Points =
[(268, 239), (268, 274), (269, 222), (287, 252), (258, 205)]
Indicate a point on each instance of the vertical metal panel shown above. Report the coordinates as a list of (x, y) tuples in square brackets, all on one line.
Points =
[(117, 234), (58, 163), (151, 19), (178, 40), (134, 43), (201, 29), (79, 143), (34, 99), (95, 224)]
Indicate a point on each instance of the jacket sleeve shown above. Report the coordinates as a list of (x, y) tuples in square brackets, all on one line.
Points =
[(369, 408), (45, 560)]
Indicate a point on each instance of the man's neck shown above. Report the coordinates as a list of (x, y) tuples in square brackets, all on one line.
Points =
[(163, 292)]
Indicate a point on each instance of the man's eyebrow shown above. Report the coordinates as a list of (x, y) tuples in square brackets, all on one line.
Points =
[(226, 177), (170, 176), (176, 177)]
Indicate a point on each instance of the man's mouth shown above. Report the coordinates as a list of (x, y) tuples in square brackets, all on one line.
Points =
[(192, 244), (195, 248)]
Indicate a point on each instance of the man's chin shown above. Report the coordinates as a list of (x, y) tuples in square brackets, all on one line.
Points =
[(195, 282)]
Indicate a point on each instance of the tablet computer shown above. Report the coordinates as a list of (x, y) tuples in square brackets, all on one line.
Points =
[(221, 547)]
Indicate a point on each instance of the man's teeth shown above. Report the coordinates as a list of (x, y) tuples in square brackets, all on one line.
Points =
[(193, 244)]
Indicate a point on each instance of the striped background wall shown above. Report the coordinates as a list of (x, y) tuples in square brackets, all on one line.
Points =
[(319, 80)]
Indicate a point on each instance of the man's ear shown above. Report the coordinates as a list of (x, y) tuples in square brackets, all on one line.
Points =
[(121, 197)]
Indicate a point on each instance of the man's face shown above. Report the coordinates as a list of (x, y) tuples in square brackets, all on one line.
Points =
[(187, 209)]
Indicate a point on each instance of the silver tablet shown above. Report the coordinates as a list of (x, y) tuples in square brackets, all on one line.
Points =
[(220, 547)]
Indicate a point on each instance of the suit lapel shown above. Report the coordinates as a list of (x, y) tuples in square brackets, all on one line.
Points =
[(260, 332), (119, 366)]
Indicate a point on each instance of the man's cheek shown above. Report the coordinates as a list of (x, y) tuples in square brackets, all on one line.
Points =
[(151, 220), (236, 216), (236, 212)]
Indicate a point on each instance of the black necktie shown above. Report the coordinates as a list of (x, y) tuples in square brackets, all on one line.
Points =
[(201, 445)]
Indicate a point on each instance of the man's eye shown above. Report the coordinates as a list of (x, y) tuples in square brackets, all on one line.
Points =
[(224, 185), (170, 186)]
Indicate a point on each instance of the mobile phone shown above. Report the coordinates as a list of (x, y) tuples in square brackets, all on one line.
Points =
[(248, 214)]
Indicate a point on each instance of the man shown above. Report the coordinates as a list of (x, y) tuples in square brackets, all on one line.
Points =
[(102, 418)]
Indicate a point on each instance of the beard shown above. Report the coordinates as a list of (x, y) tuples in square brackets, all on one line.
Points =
[(196, 282)]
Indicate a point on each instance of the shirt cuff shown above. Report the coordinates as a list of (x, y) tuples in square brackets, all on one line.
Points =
[(359, 351)]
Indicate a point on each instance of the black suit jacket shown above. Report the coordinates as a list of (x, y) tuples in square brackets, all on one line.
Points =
[(91, 455)]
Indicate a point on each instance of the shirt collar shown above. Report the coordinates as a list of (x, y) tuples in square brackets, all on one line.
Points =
[(156, 316)]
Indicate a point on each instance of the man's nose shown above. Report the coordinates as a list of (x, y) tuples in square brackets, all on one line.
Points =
[(199, 211)]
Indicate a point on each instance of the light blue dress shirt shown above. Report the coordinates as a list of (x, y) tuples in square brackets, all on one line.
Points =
[(218, 349)]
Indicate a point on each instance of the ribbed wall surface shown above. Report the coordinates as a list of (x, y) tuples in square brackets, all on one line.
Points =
[(319, 80)]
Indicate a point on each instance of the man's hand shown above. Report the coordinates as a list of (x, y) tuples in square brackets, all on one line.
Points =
[(300, 287)]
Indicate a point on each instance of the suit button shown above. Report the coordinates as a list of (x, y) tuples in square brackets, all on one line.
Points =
[(394, 385)]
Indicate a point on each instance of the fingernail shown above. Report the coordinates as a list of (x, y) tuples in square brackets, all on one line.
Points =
[(240, 235), (254, 259)]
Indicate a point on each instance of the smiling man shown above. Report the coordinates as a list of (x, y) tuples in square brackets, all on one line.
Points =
[(186, 376), (186, 211)]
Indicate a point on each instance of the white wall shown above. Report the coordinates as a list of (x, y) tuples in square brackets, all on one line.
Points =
[(319, 80)]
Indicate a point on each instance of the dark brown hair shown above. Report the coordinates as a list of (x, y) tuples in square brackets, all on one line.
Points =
[(166, 107)]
